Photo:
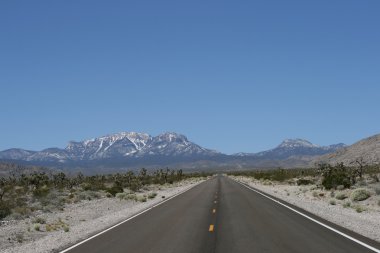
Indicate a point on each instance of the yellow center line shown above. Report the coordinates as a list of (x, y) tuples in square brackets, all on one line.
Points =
[(215, 202), (213, 210), (211, 228)]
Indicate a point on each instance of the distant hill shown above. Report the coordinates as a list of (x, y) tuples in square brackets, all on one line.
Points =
[(292, 148), (368, 149)]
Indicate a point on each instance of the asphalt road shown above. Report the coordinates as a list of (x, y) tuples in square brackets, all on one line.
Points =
[(222, 216)]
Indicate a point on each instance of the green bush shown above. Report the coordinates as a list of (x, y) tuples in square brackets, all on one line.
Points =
[(114, 190), (334, 176), (346, 204), (121, 195), (66, 228), (132, 197), (37, 227), (360, 194), (341, 196), (152, 195), (333, 180), (359, 208), (141, 199)]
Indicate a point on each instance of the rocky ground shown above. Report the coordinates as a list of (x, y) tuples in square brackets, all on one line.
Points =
[(337, 206), (54, 231)]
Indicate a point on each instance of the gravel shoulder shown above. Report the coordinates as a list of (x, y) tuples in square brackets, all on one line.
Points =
[(361, 217), (78, 221)]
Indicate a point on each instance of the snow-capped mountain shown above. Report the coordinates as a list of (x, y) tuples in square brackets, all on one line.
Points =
[(116, 145), (136, 150), (297, 143), (294, 148), (124, 145), (172, 144)]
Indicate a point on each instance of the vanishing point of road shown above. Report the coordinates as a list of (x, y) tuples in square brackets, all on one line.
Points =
[(223, 216)]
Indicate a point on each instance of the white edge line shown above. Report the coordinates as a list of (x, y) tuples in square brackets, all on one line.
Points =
[(130, 218), (312, 219)]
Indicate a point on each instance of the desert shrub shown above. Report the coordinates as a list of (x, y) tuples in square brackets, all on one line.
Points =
[(279, 175), (53, 201), (88, 195), (21, 194), (41, 191), (93, 183), (377, 190), (346, 204), (49, 228), (126, 196), (135, 185), (86, 186), (267, 182), (19, 237), (115, 189), (340, 187), (37, 227), (304, 181), (332, 202), (39, 220), (22, 210), (132, 197), (375, 178), (341, 196), (360, 194), (66, 228), (152, 195), (5, 210), (333, 176), (141, 198), (121, 195), (359, 208)]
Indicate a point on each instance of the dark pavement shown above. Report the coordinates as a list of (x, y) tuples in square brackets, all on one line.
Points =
[(242, 221)]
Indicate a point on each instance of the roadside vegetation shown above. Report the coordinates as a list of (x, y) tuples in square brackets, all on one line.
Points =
[(356, 186), (24, 193)]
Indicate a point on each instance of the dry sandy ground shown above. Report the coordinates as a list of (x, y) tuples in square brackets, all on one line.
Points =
[(80, 220), (319, 201)]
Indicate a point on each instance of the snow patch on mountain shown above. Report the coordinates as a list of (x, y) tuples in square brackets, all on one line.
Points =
[(296, 143)]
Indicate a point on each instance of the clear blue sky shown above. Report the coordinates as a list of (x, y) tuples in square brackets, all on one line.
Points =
[(231, 75)]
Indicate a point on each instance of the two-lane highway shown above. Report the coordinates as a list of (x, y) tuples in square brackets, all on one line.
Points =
[(221, 216)]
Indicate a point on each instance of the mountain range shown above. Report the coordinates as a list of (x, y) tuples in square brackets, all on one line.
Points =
[(130, 150)]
